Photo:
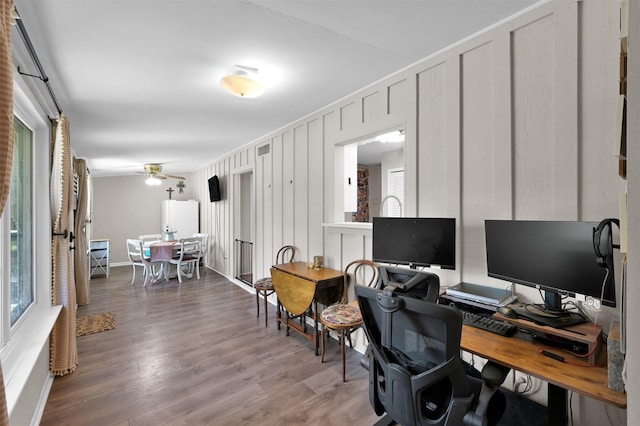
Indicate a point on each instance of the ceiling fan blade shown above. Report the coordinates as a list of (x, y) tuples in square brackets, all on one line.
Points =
[(173, 177)]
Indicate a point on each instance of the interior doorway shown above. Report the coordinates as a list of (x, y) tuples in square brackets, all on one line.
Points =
[(243, 208)]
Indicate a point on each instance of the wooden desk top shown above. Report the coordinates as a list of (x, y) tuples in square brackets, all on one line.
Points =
[(300, 269), (523, 355)]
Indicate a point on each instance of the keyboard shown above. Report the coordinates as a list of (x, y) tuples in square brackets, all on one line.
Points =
[(488, 323)]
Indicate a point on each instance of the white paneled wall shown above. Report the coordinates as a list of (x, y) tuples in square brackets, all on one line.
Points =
[(515, 122)]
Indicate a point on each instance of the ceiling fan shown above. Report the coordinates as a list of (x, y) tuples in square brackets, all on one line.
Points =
[(154, 173)]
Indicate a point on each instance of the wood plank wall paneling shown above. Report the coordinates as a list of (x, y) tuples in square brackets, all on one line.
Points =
[(288, 206), (350, 115), (301, 192), (432, 158), (533, 118), (315, 188), (492, 128), (477, 156), (397, 93), (497, 126)]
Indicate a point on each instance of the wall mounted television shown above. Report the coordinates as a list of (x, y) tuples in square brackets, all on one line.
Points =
[(555, 256), (415, 241)]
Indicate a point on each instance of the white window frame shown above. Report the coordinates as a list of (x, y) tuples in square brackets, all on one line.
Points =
[(391, 207), (23, 345)]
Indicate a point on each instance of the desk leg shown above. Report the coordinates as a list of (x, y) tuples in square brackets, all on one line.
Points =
[(278, 312), (557, 405), (316, 342)]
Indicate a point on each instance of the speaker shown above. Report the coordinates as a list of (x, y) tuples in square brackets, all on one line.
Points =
[(214, 189), (603, 241)]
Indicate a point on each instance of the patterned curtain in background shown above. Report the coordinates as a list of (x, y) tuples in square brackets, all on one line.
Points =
[(80, 241), (64, 352), (6, 136)]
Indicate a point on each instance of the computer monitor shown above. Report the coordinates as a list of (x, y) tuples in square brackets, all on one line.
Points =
[(415, 241), (555, 256)]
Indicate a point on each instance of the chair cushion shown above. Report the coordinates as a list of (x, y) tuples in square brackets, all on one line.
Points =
[(341, 315), (263, 284)]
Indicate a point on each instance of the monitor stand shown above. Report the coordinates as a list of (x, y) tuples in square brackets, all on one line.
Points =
[(559, 320)]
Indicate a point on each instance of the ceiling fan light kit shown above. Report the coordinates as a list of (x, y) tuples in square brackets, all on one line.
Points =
[(153, 171), (242, 82), (152, 181)]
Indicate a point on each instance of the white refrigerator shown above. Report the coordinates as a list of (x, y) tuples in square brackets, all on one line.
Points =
[(181, 217)]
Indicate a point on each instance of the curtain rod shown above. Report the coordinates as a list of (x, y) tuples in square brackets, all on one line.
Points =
[(34, 57)]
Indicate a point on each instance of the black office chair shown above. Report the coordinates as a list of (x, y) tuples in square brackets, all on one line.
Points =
[(416, 374)]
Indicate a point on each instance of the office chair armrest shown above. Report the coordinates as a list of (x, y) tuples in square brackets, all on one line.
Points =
[(494, 374)]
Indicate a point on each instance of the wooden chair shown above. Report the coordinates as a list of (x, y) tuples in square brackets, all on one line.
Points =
[(264, 286), (136, 257), (188, 255), (345, 317)]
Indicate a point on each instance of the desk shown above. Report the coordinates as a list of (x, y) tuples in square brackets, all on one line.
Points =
[(523, 355), (300, 288)]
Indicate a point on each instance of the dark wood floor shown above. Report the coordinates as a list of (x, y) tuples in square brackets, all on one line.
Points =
[(197, 355)]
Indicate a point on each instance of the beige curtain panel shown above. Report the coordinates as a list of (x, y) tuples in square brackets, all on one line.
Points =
[(6, 137), (80, 252), (64, 352)]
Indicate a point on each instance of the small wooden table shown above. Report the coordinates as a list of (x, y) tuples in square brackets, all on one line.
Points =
[(300, 288)]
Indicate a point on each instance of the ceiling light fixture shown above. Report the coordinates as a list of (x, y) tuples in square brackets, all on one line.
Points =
[(242, 82), (153, 181)]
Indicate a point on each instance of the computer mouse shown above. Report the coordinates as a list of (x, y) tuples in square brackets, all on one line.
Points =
[(508, 312)]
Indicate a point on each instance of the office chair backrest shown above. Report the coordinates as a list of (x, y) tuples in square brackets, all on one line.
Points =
[(419, 284), (416, 375)]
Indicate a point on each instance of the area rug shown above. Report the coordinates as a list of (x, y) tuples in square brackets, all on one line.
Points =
[(90, 324)]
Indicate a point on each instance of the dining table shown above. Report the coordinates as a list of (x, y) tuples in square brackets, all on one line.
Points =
[(159, 254)]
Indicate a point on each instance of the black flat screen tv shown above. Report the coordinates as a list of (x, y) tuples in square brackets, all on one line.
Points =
[(555, 256), (415, 241), (214, 189)]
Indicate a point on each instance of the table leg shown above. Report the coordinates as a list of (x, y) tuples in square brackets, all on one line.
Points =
[(557, 405), (315, 325), (279, 312)]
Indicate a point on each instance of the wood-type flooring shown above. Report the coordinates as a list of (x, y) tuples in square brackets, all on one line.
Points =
[(196, 354)]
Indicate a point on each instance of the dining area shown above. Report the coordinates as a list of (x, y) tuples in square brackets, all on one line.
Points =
[(160, 257)]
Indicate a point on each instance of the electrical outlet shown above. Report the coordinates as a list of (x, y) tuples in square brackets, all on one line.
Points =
[(591, 304)]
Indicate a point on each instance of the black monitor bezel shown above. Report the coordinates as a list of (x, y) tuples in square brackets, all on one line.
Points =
[(609, 298), (450, 223)]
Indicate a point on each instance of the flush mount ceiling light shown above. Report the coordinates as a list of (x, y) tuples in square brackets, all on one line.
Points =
[(242, 82), (391, 137)]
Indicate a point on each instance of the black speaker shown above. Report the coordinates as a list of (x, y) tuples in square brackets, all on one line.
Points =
[(603, 241), (214, 189)]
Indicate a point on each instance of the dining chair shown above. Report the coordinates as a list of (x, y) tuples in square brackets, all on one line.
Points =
[(145, 238), (135, 254), (264, 286), (204, 245), (344, 317), (188, 255)]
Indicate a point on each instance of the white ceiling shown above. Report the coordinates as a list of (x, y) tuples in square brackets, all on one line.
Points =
[(139, 79)]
